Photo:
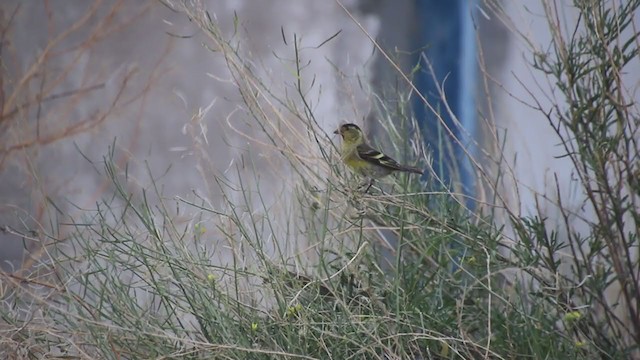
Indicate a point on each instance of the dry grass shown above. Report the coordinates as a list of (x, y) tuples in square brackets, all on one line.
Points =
[(406, 271)]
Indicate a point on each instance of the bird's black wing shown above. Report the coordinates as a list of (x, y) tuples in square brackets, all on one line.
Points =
[(374, 156), (367, 153)]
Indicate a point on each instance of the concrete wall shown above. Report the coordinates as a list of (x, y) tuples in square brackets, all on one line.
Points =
[(67, 46)]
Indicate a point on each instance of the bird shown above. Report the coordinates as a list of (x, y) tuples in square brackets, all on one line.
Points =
[(365, 160)]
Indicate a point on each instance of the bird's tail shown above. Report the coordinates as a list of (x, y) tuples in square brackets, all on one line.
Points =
[(412, 169)]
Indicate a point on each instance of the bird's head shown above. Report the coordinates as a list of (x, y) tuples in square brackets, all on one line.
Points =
[(350, 133)]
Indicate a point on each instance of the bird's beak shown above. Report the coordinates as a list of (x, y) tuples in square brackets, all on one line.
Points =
[(337, 131)]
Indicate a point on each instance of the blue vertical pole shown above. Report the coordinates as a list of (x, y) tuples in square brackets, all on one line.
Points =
[(447, 38), (467, 101)]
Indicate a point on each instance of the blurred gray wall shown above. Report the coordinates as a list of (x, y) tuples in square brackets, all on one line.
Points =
[(533, 149), (118, 58)]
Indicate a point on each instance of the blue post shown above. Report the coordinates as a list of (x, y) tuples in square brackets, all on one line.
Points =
[(447, 38)]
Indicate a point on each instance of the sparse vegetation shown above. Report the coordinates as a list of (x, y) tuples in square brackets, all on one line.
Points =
[(405, 271)]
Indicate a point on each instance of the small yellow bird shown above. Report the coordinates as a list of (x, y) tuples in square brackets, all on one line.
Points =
[(365, 160)]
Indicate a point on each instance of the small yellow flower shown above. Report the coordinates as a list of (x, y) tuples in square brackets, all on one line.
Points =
[(200, 229), (444, 349), (572, 316), (254, 326), (294, 310), (580, 344), (211, 278)]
